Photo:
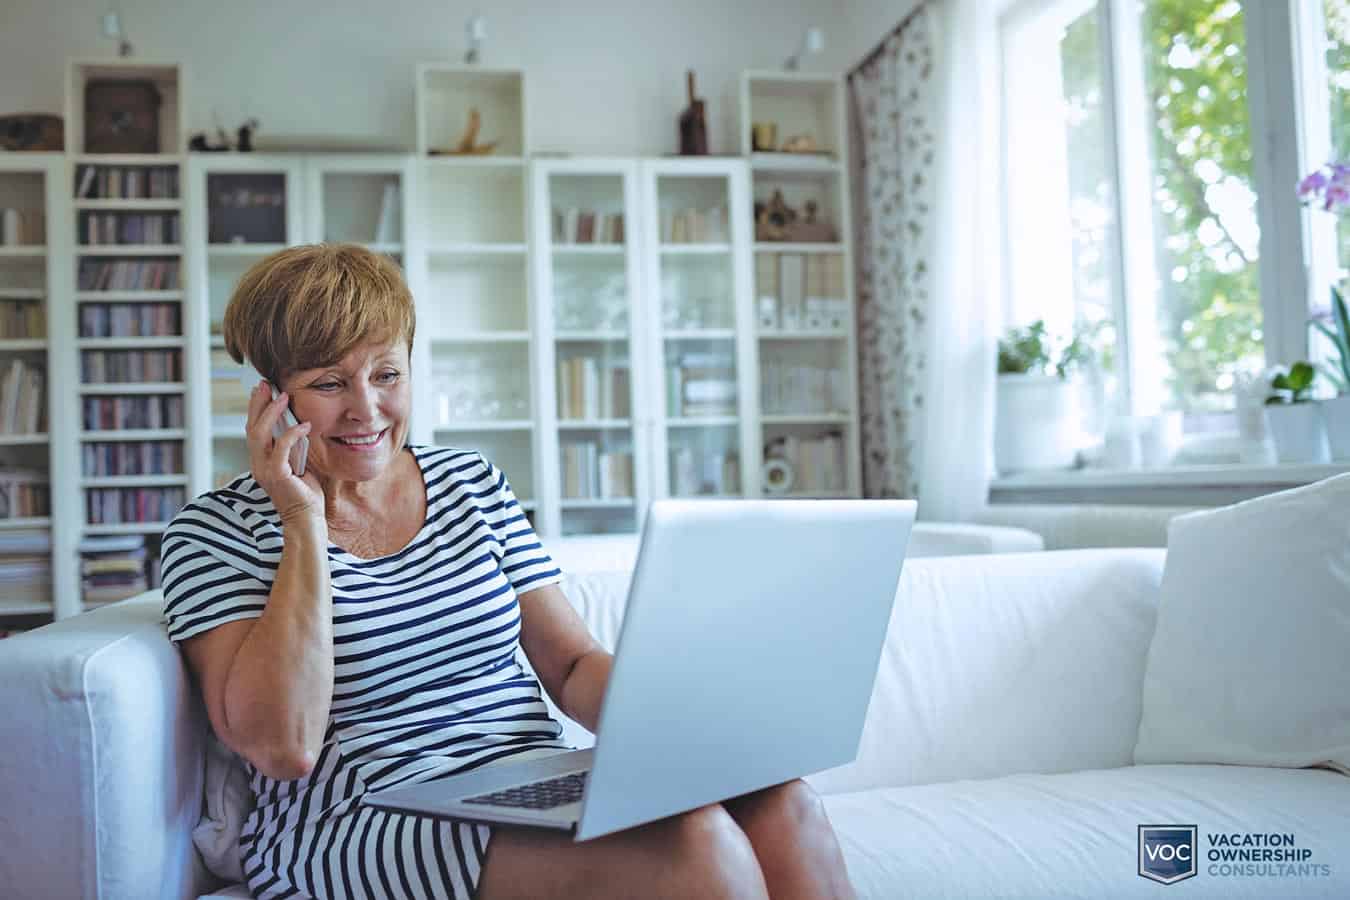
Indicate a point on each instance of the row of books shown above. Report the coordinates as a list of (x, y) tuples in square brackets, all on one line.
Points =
[(701, 384), (589, 472), (25, 567), (22, 319), (694, 226), (133, 458), (100, 228), (126, 182), (789, 387), (130, 366), (24, 493), (23, 404), (130, 320), (128, 275), (818, 463), (795, 291), (693, 473), (116, 567), (139, 412), (22, 227), (111, 506), (591, 388), (585, 226)]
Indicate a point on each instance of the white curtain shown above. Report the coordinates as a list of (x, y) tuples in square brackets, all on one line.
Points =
[(925, 139)]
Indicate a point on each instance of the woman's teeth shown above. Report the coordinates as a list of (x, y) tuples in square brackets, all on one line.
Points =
[(360, 442)]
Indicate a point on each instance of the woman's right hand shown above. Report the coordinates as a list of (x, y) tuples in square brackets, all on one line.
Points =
[(270, 458)]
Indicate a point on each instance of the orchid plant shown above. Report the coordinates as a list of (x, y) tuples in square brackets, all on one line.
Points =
[(1328, 188)]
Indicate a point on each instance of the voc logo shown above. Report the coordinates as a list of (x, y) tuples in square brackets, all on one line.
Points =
[(1167, 852)]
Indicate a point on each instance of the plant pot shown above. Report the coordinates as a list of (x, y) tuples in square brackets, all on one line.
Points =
[(1336, 414), (1298, 431), (1037, 423)]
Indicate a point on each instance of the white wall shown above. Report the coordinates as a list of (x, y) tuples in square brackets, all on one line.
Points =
[(604, 76)]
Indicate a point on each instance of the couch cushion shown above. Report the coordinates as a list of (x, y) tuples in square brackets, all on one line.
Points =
[(1250, 664), (1075, 834)]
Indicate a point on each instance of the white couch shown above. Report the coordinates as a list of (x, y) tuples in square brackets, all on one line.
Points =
[(996, 759)]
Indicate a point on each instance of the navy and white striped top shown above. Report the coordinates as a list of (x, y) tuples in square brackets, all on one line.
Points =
[(426, 680)]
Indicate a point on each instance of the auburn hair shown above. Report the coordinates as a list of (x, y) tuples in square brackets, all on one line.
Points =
[(307, 307)]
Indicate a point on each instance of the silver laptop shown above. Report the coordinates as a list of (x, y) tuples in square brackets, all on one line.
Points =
[(746, 659)]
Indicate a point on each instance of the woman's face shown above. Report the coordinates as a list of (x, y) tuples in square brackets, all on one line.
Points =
[(358, 409)]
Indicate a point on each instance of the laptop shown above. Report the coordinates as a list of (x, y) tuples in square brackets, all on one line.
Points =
[(746, 659)]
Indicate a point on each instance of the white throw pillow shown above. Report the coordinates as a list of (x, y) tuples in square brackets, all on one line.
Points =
[(1250, 662), (228, 803)]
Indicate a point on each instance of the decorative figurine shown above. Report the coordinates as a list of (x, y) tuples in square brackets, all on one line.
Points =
[(693, 127)]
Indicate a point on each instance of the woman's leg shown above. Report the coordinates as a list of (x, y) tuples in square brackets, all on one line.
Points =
[(700, 854), (794, 842)]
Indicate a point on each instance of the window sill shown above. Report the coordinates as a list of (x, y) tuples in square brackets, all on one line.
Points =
[(1207, 485)]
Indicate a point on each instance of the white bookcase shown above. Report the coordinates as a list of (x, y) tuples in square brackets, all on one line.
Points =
[(471, 271), (805, 305), (36, 311)]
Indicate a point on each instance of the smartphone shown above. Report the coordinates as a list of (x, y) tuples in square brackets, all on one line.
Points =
[(299, 452)]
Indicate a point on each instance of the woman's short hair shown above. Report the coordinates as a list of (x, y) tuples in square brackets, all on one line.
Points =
[(307, 307)]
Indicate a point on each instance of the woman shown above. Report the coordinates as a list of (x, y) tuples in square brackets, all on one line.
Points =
[(357, 628)]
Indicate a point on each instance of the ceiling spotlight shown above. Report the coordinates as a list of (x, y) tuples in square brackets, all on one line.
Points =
[(813, 41)]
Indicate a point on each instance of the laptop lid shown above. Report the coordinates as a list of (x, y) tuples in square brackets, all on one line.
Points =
[(748, 651)]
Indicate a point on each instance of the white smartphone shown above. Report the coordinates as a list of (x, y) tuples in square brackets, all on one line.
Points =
[(299, 452)]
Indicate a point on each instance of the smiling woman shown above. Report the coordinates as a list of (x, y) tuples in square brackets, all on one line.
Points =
[(358, 627)]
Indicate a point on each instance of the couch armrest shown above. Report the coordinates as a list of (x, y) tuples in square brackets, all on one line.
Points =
[(101, 776)]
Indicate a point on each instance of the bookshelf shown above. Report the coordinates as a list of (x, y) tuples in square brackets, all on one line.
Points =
[(803, 286), (35, 289), (130, 392), (471, 275)]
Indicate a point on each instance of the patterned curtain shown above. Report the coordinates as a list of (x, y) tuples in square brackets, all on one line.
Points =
[(894, 99)]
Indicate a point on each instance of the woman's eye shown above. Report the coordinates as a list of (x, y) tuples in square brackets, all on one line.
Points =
[(388, 377), (327, 386)]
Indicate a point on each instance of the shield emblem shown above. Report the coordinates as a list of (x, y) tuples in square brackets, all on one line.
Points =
[(1167, 852)]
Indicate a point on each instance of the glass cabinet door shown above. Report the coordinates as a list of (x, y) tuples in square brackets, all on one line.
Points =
[(698, 291), (588, 272)]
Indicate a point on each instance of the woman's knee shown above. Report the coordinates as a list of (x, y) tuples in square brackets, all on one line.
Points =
[(715, 857)]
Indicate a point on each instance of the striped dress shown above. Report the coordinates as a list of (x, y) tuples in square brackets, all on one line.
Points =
[(426, 681)]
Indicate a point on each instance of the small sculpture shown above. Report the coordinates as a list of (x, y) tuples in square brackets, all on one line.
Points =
[(800, 143), (246, 135), (693, 126), (466, 145)]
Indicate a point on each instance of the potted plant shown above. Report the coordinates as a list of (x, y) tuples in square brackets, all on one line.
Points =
[(1038, 422), (1335, 325), (1293, 421)]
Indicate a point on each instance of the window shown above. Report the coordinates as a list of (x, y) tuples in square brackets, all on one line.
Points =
[(1134, 204)]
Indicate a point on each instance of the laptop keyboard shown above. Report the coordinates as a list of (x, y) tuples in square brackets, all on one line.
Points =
[(548, 794)]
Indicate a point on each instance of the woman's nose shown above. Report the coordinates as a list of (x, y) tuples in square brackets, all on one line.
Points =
[(363, 403)]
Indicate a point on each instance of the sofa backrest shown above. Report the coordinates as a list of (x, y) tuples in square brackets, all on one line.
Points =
[(993, 665), (101, 774)]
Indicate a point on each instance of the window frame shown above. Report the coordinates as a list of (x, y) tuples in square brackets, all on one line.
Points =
[(1289, 109)]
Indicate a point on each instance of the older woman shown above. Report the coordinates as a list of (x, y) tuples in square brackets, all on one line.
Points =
[(357, 628)]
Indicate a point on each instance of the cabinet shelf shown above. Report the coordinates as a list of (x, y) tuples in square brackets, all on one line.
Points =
[(130, 204), (22, 293), (589, 336), (700, 334), (818, 163), (18, 345), (787, 247), (129, 249), (134, 387), (478, 248), (29, 251), (20, 523), (485, 425), (18, 440), (813, 335), (128, 343), (588, 249), (808, 419), (128, 159), (482, 337), (694, 249), (128, 296), (702, 421), (594, 424), (446, 161), (25, 609), (136, 434), (598, 503), (112, 481), (243, 250), (127, 528)]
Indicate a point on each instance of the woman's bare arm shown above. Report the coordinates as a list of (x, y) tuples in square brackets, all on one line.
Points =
[(571, 665)]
